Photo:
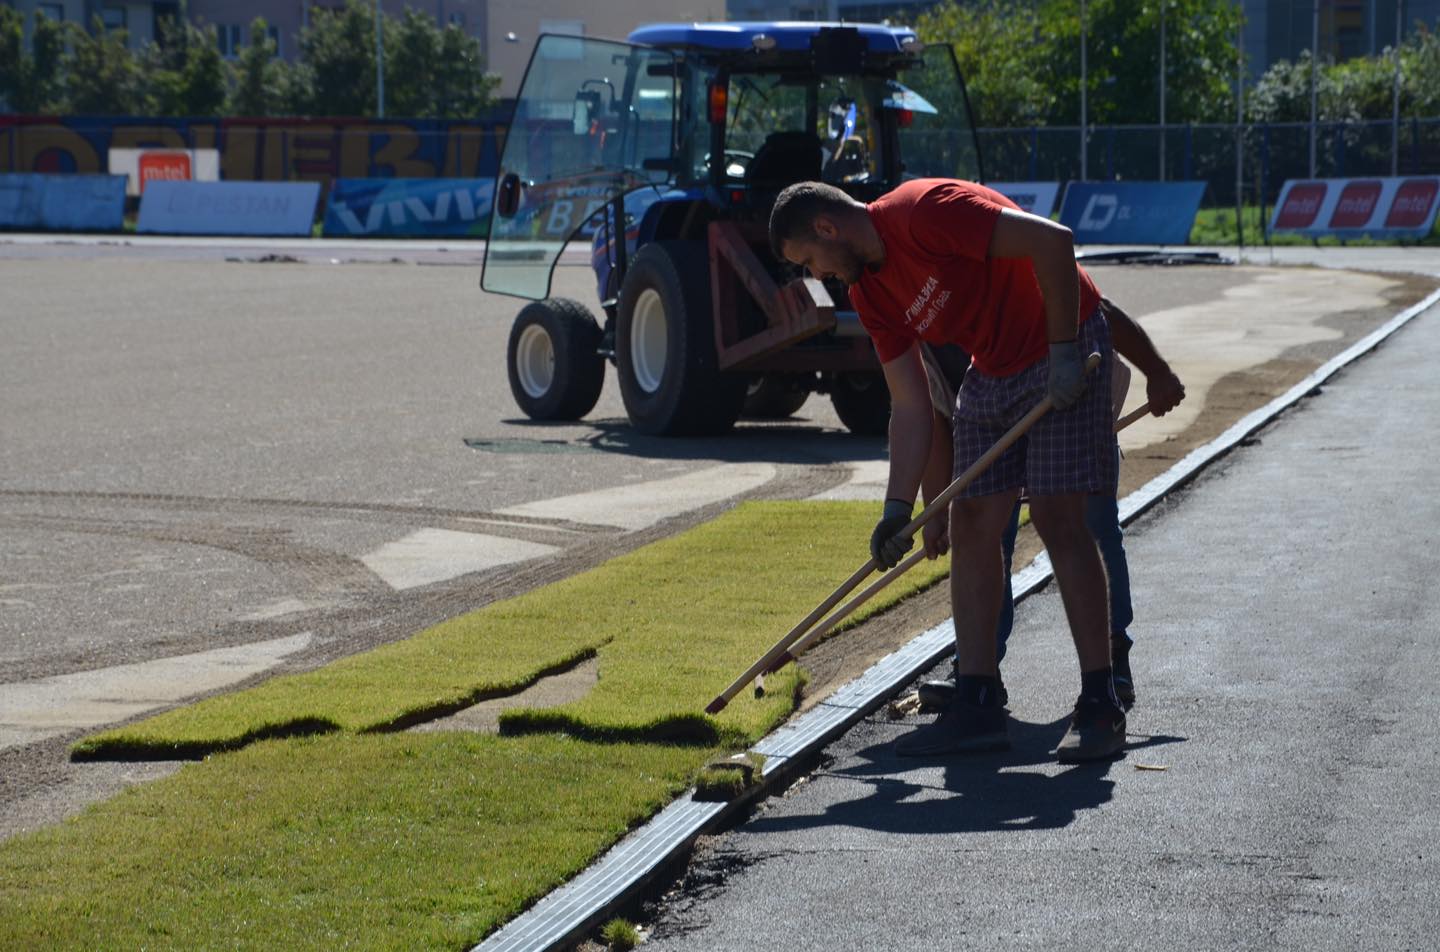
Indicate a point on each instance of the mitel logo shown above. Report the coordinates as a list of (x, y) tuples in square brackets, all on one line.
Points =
[(164, 166), (1301, 206), (1356, 205), (1411, 207)]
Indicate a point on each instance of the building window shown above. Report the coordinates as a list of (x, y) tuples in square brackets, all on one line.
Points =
[(274, 33), (457, 20), (227, 36), (52, 11), (113, 18)]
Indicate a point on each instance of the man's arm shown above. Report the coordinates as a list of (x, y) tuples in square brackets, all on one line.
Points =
[(1162, 387), (1050, 246), (912, 448), (911, 416)]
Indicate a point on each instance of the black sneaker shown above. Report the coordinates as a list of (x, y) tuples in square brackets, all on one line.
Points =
[(960, 728), (938, 695), (1097, 731), (1120, 669)]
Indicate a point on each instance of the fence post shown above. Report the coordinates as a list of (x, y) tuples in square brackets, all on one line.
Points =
[(1414, 144), (1189, 151), (1110, 153), (1340, 153), (1034, 153)]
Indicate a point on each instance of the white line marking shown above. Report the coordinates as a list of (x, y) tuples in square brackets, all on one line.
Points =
[(641, 505), (436, 555), (35, 710)]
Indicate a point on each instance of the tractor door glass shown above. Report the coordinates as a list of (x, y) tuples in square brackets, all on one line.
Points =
[(594, 119), (773, 137), (936, 132)]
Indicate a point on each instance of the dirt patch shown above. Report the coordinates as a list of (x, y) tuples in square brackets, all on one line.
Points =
[(553, 691)]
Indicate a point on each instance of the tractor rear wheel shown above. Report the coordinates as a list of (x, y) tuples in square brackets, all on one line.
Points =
[(775, 396), (863, 402), (665, 345)]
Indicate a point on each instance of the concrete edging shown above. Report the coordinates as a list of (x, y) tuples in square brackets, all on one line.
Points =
[(570, 911)]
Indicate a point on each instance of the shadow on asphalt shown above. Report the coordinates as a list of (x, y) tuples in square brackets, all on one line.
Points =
[(749, 442), (979, 792)]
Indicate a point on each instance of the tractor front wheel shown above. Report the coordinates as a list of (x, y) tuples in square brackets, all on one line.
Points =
[(556, 371)]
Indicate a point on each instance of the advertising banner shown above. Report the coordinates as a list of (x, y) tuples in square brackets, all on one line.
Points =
[(1401, 207), (144, 165), (62, 202), (1037, 198), (228, 208), (443, 207), (1131, 213)]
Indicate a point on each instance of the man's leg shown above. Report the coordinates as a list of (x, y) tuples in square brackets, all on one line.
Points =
[(1103, 519), (975, 719), (1060, 520), (938, 694)]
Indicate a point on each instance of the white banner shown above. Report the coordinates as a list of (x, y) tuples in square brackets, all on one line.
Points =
[(174, 165)]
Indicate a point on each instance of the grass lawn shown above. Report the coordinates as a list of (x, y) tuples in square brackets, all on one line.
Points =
[(400, 841), (361, 836)]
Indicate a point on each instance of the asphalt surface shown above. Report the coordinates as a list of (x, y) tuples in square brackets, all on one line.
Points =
[(1282, 779)]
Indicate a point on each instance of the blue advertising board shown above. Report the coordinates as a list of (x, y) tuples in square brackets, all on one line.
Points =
[(444, 207), (228, 208), (62, 202), (1131, 213)]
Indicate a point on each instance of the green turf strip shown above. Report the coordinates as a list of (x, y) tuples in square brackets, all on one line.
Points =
[(672, 623), (403, 841)]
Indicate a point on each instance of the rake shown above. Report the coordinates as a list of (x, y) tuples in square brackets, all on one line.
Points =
[(781, 652)]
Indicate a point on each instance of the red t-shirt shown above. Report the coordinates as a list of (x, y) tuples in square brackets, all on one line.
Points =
[(938, 283)]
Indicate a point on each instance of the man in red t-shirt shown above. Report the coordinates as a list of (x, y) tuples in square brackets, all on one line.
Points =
[(950, 262)]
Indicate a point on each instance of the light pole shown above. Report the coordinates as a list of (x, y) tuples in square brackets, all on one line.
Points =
[(379, 62), (1084, 114), (1162, 89), (1314, 96), (1395, 97)]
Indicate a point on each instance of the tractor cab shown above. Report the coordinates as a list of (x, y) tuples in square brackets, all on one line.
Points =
[(668, 151)]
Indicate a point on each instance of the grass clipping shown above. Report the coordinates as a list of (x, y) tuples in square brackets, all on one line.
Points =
[(672, 624)]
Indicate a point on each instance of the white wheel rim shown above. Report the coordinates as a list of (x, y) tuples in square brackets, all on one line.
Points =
[(649, 340), (535, 361)]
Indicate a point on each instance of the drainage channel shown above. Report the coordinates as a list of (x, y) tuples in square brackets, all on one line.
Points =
[(570, 912)]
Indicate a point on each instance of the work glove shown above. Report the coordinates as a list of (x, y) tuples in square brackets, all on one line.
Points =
[(1067, 374), (886, 546)]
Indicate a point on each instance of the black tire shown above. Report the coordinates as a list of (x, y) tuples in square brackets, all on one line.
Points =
[(556, 371), (774, 396), (863, 402), (665, 345)]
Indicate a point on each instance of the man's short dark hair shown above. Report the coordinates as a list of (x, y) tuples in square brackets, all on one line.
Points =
[(797, 207)]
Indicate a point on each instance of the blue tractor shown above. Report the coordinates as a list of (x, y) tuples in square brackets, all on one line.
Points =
[(668, 151)]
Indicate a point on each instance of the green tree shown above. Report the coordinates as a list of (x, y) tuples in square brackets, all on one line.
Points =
[(337, 76), (1123, 60), (30, 80), (261, 79), (184, 72), (102, 76), (995, 47), (463, 89)]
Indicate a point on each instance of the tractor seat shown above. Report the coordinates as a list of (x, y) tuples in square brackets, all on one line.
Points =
[(784, 159)]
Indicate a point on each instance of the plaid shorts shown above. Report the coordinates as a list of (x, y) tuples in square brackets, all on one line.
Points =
[(1065, 451)]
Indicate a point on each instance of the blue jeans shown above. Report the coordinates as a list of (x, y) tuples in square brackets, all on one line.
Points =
[(1102, 517)]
